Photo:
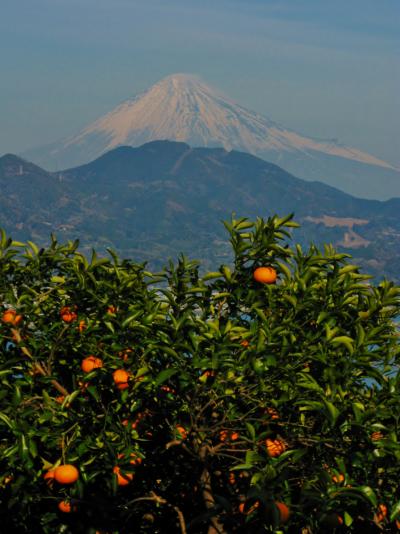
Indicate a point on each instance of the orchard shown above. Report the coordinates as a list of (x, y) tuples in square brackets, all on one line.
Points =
[(263, 397)]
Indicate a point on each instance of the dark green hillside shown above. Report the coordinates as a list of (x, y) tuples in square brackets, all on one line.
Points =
[(165, 197)]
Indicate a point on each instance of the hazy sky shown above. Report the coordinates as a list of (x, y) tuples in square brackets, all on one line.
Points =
[(326, 69)]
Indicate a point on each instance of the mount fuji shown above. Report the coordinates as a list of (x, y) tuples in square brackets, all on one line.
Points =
[(183, 108)]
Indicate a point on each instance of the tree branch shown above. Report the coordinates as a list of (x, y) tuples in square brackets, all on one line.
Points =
[(38, 366), (205, 480)]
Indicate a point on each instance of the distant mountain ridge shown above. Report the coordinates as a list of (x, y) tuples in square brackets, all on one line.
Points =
[(183, 108), (152, 202)]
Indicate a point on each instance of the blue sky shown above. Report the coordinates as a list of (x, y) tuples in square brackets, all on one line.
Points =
[(326, 69)]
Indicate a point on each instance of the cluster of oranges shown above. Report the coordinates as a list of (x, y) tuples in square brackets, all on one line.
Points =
[(120, 376), (228, 435), (68, 474), (64, 475)]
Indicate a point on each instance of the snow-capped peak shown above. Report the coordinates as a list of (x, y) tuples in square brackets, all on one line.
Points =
[(181, 107)]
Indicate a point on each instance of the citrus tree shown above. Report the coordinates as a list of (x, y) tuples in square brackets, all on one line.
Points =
[(263, 397)]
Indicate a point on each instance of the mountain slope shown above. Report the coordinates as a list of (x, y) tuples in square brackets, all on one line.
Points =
[(152, 202), (182, 108)]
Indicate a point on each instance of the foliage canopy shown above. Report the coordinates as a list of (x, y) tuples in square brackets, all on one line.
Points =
[(242, 398)]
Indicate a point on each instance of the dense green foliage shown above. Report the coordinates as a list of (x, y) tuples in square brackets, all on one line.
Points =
[(218, 364)]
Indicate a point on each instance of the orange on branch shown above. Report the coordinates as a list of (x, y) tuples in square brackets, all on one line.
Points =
[(123, 479), (265, 275), (49, 477), (66, 507), (382, 513), (284, 511), (11, 317), (121, 378), (377, 436), (90, 363), (181, 432), (338, 479), (275, 447), (66, 474), (81, 326), (68, 315)]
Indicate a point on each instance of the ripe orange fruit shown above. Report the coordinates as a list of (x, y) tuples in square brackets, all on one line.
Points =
[(67, 315), (90, 363), (11, 317), (275, 447), (181, 432), (272, 413), (66, 474), (284, 511), (245, 343), (122, 479), (65, 506), (49, 477), (228, 435), (223, 435), (135, 459), (124, 354), (338, 478), (382, 514), (376, 436), (112, 310), (265, 275), (121, 378), (81, 326)]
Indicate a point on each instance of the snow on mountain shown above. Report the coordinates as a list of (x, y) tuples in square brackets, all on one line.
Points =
[(183, 108)]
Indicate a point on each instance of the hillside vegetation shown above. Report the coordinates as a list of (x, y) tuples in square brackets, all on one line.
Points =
[(239, 401), (163, 198)]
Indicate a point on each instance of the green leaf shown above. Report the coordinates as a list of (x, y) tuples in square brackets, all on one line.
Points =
[(395, 513), (58, 279), (110, 326), (164, 376), (6, 420), (348, 520), (344, 340), (285, 270), (93, 391), (211, 275), (333, 412), (226, 272), (241, 467), (364, 492), (251, 431)]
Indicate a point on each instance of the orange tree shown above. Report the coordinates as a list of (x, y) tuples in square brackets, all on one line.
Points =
[(235, 401)]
